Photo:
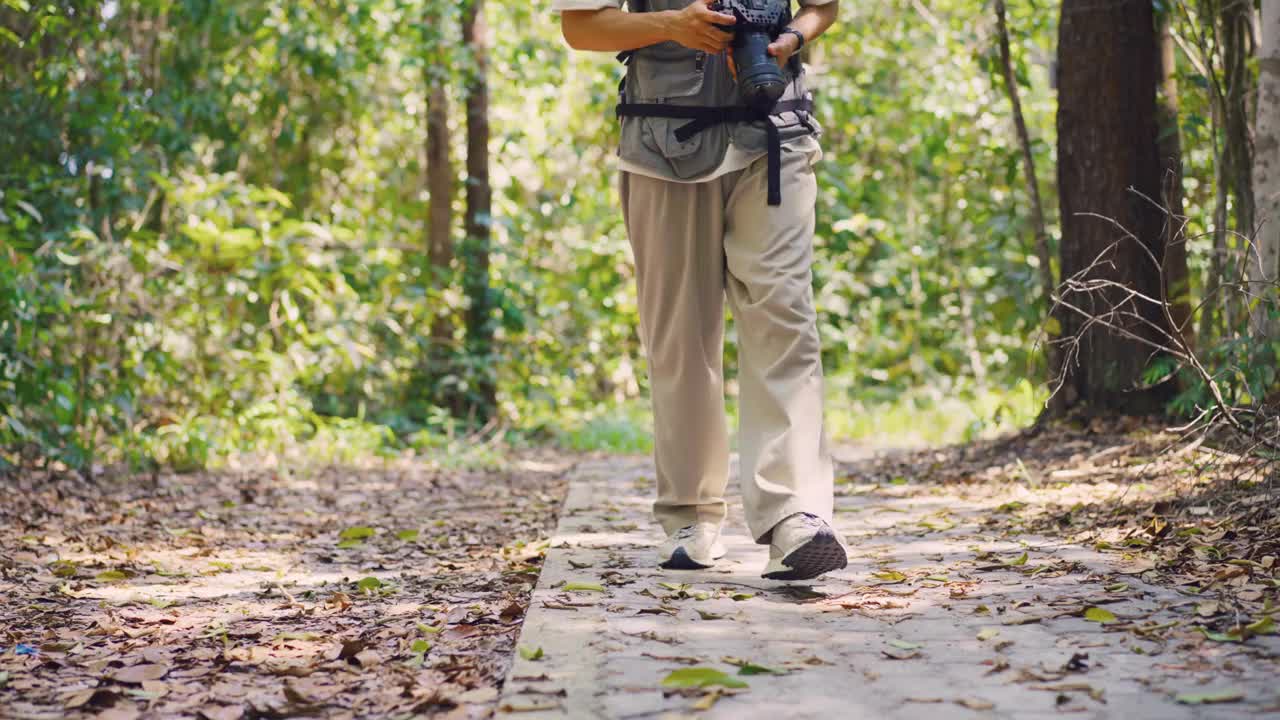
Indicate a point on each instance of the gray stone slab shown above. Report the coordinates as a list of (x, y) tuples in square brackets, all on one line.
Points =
[(605, 654)]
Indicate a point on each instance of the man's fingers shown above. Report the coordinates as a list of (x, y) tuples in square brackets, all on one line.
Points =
[(711, 16)]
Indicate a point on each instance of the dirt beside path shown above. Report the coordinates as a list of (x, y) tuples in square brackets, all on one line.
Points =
[(370, 592)]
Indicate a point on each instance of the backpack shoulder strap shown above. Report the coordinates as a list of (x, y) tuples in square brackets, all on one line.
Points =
[(624, 57)]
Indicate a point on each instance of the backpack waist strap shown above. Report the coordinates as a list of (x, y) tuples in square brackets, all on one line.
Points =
[(701, 117)]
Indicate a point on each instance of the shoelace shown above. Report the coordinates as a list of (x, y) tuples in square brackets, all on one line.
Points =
[(811, 522), (685, 532)]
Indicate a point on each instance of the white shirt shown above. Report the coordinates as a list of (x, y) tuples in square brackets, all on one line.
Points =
[(734, 158)]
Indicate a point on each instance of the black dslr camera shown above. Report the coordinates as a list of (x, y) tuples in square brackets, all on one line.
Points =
[(760, 81)]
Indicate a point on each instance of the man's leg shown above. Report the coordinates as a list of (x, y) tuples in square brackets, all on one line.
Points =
[(676, 231), (785, 462)]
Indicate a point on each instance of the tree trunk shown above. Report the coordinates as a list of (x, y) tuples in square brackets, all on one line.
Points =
[(1215, 306), (1112, 237), (1264, 261), (1177, 279), (440, 209), (1237, 48), (1047, 284), (480, 328)]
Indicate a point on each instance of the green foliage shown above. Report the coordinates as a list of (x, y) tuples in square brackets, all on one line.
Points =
[(1246, 371), (212, 224), (926, 267)]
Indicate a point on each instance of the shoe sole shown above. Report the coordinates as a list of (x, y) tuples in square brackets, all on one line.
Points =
[(822, 554), (680, 560)]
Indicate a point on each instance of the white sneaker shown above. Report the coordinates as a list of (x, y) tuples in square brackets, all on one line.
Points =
[(804, 546), (692, 547)]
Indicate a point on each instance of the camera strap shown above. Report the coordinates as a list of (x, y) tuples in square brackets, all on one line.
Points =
[(703, 117)]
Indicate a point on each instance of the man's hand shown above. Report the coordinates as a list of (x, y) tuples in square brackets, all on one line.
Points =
[(783, 48), (695, 27)]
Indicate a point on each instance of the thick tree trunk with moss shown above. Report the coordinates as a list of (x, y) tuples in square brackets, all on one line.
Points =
[(1264, 262), (1113, 238), (475, 254)]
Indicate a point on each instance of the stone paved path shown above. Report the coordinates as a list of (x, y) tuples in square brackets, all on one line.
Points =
[(932, 619)]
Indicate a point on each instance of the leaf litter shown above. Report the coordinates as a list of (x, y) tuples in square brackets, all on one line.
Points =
[(1121, 511), (395, 589)]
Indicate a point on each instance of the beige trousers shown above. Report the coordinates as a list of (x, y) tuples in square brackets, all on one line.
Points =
[(693, 244)]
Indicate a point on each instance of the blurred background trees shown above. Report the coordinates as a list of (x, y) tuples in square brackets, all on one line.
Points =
[(334, 229)]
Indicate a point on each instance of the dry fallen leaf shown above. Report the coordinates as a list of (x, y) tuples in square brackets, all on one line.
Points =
[(138, 674)]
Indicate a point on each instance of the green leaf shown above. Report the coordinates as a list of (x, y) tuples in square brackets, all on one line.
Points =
[(111, 576), (357, 533), (30, 209), (889, 576), (905, 645), (1214, 696), (1018, 561), (1233, 635), (428, 629), (17, 426), (1265, 626), (1099, 615), (66, 258), (749, 668), (369, 584), (420, 646), (348, 544), (700, 677), (742, 596), (583, 587), (407, 535), (532, 654)]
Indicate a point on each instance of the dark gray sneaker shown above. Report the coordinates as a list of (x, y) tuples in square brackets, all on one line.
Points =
[(804, 546)]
